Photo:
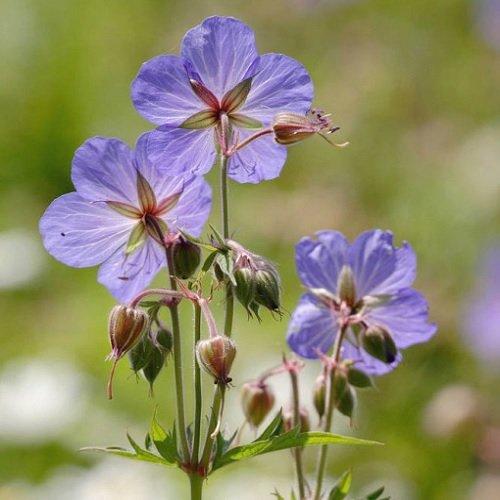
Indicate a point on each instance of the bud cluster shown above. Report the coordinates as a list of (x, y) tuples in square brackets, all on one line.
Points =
[(257, 280)]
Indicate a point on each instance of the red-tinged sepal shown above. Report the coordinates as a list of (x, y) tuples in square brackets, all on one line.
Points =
[(236, 97), (145, 193), (125, 209), (204, 94)]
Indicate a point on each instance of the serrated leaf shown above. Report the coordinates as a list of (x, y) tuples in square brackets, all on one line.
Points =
[(375, 494), (274, 428), (223, 444), (342, 487), (290, 439), (165, 443)]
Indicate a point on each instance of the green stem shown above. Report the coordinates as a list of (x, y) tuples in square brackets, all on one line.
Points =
[(197, 390), (297, 452), (196, 482), (179, 388), (329, 415), (214, 417)]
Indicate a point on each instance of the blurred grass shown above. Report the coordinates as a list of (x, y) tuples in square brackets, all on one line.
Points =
[(415, 89)]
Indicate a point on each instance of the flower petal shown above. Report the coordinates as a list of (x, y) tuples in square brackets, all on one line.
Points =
[(222, 51), (103, 170), (80, 233), (406, 318), (378, 266), (125, 276), (261, 160), (178, 151), (193, 208), (319, 260), (161, 91), (365, 362), (311, 328), (281, 84)]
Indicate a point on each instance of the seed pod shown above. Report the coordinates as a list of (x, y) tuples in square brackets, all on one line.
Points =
[(257, 401), (186, 256), (377, 342), (125, 326), (216, 355), (304, 421), (347, 402), (319, 395)]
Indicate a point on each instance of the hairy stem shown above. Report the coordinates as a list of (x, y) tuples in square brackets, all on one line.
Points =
[(297, 452), (179, 387), (197, 391), (323, 453), (214, 420)]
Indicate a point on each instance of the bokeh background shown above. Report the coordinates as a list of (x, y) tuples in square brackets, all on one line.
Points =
[(414, 86)]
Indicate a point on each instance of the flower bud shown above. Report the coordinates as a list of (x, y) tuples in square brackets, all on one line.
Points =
[(245, 285), (267, 288), (186, 256), (377, 342), (125, 326), (357, 378), (304, 421), (347, 402), (216, 355), (339, 382), (319, 395), (257, 401)]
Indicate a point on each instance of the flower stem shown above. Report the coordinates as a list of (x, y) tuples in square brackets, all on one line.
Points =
[(196, 482), (297, 452), (214, 420), (197, 392), (329, 414), (179, 388), (228, 322)]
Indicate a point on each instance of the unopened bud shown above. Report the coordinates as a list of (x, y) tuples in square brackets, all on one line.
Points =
[(339, 382), (257, 401), (216, 355), (304, 421), (125, 326), (186, 256), (347, 402), (357, 378), (346, 288), (245, 285), (377, 342), (319, 395), (267, 288)]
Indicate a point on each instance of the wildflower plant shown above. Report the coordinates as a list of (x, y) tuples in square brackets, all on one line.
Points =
[(135, 212)]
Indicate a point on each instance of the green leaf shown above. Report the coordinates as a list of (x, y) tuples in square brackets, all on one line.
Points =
[(342, 487), (223, 444), (274, 428), (290, 439), (376, 494), (165, 443), (137, 454)]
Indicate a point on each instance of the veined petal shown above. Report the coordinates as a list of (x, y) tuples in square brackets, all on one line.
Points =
[(319, 260), (180, 151), (281, 84), (80, 233), (311, 328), (406, 318), (259, 161), (222, 51), (103, 170), (127, 275), (162, 93)]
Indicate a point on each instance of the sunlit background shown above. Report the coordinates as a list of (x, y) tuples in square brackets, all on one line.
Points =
[(413, 85)]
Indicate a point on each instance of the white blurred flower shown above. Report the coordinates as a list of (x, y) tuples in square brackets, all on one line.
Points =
[(39, 399), (486, 487), (453, 409), (21, 258)]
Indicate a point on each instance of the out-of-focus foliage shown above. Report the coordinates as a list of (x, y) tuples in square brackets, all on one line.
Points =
[(414, 86)]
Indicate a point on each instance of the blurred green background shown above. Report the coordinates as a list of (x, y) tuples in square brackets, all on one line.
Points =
[(414, 86)]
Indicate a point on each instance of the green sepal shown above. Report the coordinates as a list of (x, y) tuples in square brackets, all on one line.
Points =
[(225, 263), (376, 494), (360, 379), (198, 242), (235, 98), (341, 487), (241, 120), (137, 238), (347, 402), (209, 261), (202, 119), (290, 439)]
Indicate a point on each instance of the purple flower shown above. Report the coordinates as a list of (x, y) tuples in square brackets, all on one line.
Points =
[(365, 285), (219, 79), (115, 217), (481, 323)]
